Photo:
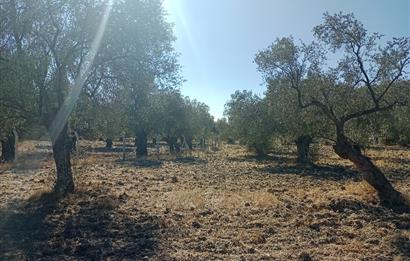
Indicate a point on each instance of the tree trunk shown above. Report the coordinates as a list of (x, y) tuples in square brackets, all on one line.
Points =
[(189, 143), (142, 144), (8, 148), (108, 143), (173, 145), (73, 139), (260, 152), (303, 146), (370, 172), (61, 153)]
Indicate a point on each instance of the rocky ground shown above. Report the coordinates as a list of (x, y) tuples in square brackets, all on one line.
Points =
[(224, 205)]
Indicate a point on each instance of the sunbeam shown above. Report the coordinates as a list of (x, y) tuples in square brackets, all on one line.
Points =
[(74, 92)]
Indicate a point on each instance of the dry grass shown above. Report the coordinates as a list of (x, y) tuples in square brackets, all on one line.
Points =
[(226, 205)]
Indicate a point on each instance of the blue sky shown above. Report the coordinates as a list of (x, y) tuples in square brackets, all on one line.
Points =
[(217, 39)]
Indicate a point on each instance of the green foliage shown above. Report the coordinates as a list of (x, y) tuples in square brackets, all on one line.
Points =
[(365, 81), (291, 120), (250, 121), (223, 131), (172, 115)]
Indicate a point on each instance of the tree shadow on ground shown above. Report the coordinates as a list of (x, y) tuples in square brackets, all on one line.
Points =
[(402, 244), (388, 147), (392, 160), (324, 172), (154, 162), (276, 157), (86, 225), (190, 160), (399, 172), (29, 161), (397, 217), (110, 150)]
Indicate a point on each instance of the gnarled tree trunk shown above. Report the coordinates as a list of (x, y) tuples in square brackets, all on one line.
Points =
[(141, 143), (303, 147), (8, 147), (61, 153), (370, 172)]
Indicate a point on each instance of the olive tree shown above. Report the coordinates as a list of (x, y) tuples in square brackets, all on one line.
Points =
[(200, 122), (359, 85), (65, 45), (150, 65), (250, 121), (293, 123)]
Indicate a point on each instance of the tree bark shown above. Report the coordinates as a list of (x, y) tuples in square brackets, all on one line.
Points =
[(142, 144), (61, 153), (260, 152), (173, 145), (370, 172), (73, 141), (108, 143), (189, 143), (8, 148), (303, 147)]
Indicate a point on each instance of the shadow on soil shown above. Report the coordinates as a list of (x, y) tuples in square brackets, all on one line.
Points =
[(153, 162), (287, 158), (30, 161), (398, 217), (82, 226), (325, 172)]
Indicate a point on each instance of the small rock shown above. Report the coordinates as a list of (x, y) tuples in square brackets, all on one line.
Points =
[(174, 179), (195, 224)]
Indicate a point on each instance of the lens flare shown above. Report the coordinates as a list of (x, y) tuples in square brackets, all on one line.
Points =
[(62, 115)]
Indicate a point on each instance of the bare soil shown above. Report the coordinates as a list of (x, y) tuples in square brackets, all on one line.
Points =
[(224, 205)]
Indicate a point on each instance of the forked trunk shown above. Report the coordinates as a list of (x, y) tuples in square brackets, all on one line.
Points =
[(61, 153), (8, 147), (303, 147), (370, 172), (142, 144)]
